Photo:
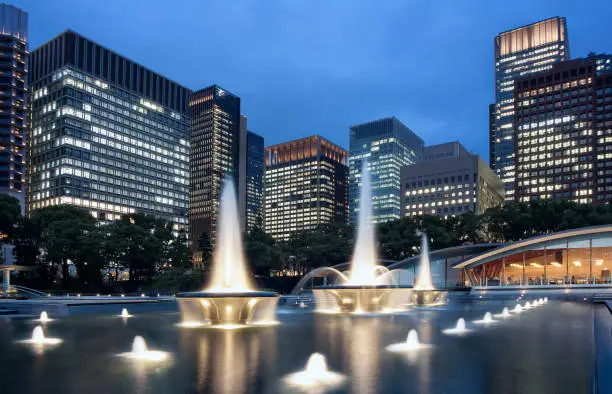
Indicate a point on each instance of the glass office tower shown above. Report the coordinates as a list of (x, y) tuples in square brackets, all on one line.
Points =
[(13, 101), (388, 145), (520, 52), (107, 134), (563, 121), (305, 185), (254, 181), (215, 157)]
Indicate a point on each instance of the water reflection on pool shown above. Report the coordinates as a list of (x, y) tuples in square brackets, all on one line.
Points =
[(543, 350)]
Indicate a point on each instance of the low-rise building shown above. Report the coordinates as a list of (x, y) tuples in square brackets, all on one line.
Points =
[(449, 181)]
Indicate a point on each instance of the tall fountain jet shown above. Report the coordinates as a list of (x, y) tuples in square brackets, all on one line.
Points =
[(423, 281), (368, 287), (363, 263), (229, 300), (424, 292)]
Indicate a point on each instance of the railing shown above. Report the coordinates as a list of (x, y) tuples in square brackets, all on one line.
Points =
[(551, 286), (21, 290)]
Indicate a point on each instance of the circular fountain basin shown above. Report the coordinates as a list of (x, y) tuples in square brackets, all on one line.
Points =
[(228, 308), (362, 299)]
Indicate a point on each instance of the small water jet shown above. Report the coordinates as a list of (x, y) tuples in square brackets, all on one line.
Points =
[(540, 302), (545, 300), (302, 305), (459, 329), (487, 319), (505, 313), (527, 305), (412, 343), (39, 338), (517, 309), (315, 376), (229, 301), (140, 351), (44, 317), (125, 314)]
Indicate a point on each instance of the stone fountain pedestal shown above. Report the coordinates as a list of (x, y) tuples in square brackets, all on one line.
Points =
[(216, 308), (429, 297), (362, 299)]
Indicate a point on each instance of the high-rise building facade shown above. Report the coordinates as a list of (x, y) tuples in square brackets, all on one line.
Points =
[(107, 134), (305, 185), (449, 181), (215, 157), (563, 132), (387, 145), (254, 179), (518, 53), (13, 101)]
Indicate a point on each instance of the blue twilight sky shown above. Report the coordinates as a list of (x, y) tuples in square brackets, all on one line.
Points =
[(318, 66)]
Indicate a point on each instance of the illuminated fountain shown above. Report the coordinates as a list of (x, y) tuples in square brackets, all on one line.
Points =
[(367, 287), (424, 292), (487, 319), (315, 377), (44, 318), (517, 309), (125, 314), (412, 343), (39, 338), (229, 301), (459, 329), (140, 351), (504, 314)]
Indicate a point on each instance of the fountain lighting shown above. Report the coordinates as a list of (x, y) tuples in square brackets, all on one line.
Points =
[(412, 344), (315, 377), (191, 324), (545, 300), (43, 318), (517, 309), (302, 304), (487, 319), (459, 329), (141, 352), (122, 295), (38, 338), (504, 313), (142, 294), (229, 301)]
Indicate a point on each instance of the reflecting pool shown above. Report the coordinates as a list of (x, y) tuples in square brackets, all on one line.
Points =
[(548, 349)]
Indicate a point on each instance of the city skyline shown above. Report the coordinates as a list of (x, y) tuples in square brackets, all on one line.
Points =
[(270, 86)]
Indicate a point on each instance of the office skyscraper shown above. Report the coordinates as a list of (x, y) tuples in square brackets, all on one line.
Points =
[(563, 120), (388, 145), (449, 181), (254, 179), (13, 101), (107, 134), (215, 157), (305, 185), (518, 53)]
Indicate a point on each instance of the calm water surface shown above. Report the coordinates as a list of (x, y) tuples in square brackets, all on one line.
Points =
[(543, 350)]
